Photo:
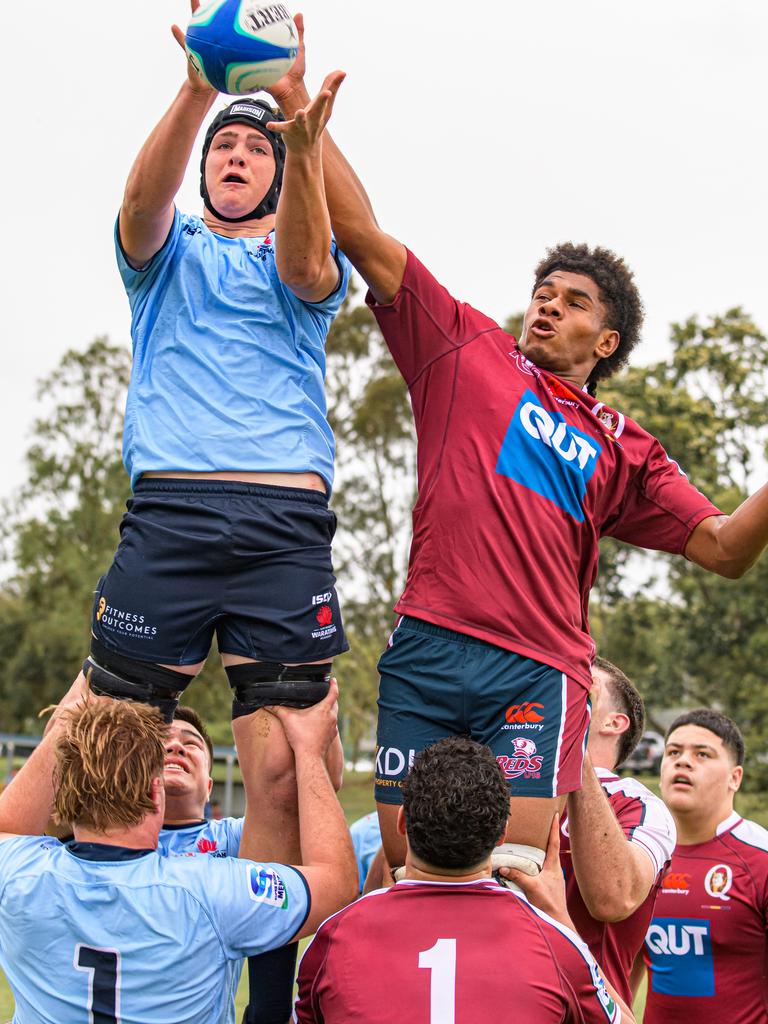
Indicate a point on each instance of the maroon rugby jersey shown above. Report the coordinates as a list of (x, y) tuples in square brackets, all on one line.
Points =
[(448, 953), (647, 823), (706, 948), (519, 476)]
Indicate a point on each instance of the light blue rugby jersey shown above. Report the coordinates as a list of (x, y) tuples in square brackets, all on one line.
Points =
[(216, 839), (145, 939), (366, 839), (228, 364), (219, 838)]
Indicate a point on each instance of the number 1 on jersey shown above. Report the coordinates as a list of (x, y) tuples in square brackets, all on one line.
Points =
[(440, 959), (103, 967)]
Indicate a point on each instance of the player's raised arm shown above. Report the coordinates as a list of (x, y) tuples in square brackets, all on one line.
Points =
[(328, 858), (729, 545), (379, 258), (26, 803), (146, 213), (614, 876), (303, 226)]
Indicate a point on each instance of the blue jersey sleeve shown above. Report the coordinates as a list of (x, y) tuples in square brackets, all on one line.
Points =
[(139, 282), (256, 907)]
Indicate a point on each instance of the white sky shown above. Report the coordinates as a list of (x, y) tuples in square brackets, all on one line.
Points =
[(640, 126)]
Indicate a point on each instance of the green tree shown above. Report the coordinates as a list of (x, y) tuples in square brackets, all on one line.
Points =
[(696, 638), (375, 489), (59, 532)]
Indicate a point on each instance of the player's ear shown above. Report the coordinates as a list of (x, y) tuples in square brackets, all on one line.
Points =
[(618, 722), (210, 786), (158, 794), (737, 774), (607, 343), (401, 821)]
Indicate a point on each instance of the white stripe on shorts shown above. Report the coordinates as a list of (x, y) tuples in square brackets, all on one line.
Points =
[(563, 713)]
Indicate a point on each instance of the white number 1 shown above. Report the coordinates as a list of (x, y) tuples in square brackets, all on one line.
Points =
[(441, 960)]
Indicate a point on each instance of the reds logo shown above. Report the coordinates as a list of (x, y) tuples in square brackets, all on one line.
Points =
[(524, 747), (524, 760), (324, 615), (207, 845)]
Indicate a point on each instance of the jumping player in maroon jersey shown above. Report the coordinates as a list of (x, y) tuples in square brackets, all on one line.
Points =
[(706, 949), (521, 470), (419, 951), (617, 837)]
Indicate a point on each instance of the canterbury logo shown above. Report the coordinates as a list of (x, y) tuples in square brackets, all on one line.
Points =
[(676, 880), (520, 714)]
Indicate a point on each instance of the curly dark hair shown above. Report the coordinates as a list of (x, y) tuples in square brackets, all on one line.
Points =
[(718, 723), (456, 803), (618, 292), (626, 700)]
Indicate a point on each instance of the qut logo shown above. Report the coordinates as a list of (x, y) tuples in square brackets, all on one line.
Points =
[(391, 761), (548, 455), (565, 440), (680, 955), (677, 939)]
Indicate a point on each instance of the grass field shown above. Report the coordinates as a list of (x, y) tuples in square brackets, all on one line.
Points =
[(357, 799)]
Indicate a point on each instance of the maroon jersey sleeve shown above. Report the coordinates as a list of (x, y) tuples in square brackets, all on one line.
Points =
[(661, 506), (425, 322)]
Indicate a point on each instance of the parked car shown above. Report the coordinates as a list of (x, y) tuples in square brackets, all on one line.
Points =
[(647, 755)]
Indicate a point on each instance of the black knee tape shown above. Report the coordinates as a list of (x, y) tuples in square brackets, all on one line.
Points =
[(258, 684), (112, 675)]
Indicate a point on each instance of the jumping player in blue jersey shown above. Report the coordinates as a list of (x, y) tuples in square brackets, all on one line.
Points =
[(113, 920), (226, 439)]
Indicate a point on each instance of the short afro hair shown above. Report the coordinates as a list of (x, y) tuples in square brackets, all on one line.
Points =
[(718, 723), (456, 804), (618, 292)]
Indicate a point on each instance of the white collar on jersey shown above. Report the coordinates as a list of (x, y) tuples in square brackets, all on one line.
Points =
[(733, 819)]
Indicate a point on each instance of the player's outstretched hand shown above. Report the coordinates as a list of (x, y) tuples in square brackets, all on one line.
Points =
[(293, 80), (547, 889), (311, 730), (195, 81), (302, 133)]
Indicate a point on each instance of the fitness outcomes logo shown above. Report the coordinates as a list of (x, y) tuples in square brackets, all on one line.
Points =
[(117, 620), (549, 456)]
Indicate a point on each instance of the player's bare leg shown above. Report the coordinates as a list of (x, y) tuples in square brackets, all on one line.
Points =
[(271, 833)]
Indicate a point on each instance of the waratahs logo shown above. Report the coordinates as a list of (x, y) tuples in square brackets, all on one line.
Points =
[(324, 615), (524, 760)]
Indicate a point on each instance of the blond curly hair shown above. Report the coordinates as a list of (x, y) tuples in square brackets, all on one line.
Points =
[(106, 760)]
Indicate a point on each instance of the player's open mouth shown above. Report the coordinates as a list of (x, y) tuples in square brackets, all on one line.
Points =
[(543, 328), (234, 179), (176, 766), (681, 780)]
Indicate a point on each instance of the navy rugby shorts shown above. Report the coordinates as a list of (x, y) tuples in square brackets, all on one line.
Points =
[(249, 561), (437, 683)]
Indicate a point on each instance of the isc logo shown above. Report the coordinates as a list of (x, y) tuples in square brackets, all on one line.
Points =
[(548, 455), (680, 953)]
